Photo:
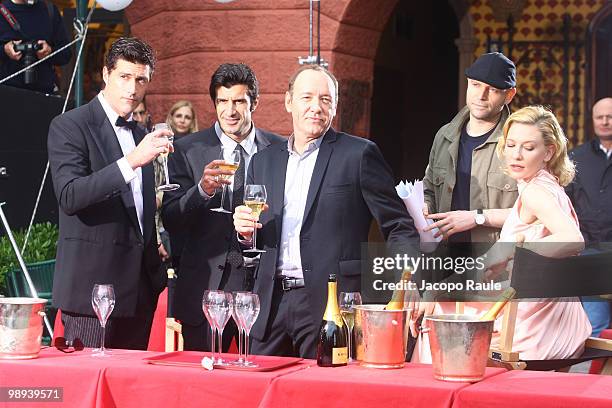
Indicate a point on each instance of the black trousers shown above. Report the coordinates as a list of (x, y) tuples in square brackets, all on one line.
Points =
[(292, 332)]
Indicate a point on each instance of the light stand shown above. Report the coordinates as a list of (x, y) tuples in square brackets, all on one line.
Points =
[(312, 59)]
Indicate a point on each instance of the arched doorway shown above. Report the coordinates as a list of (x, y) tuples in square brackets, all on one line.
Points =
[(415, 86)]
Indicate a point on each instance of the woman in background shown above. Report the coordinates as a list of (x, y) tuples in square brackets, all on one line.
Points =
[(182, 119)]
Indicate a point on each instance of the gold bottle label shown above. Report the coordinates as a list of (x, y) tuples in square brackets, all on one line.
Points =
[(339, 355)]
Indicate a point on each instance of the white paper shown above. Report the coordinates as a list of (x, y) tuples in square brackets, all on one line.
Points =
[(413, 197)]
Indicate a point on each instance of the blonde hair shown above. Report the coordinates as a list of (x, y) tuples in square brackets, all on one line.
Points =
[(545, 121), (193, 127)]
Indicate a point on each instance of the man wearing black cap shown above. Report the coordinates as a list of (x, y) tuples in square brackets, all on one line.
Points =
[(464, 175)]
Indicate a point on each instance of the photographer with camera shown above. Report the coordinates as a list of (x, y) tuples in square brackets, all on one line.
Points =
[(31, 30)]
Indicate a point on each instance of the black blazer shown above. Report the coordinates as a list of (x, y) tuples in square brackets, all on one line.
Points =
[(99, 239), (208, 234), (351, 183)]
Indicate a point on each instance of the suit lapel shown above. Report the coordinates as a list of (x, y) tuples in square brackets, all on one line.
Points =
[(325, 151), (149, 203), (279, 174), (105, 138)]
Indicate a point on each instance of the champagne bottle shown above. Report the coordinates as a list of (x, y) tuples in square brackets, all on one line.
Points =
[(505, 297), (332, 350), (397, 300)]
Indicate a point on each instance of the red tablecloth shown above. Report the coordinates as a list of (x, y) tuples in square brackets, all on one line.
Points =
[(536, 389), (126, 380), (355, 386)]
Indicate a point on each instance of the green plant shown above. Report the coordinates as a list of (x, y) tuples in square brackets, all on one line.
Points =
[(42, 245)]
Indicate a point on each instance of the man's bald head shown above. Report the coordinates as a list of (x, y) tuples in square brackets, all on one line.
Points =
[(602, 119)]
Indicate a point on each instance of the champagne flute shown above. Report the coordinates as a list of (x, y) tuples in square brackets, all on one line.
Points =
[(241, 331), (255, 197), (222, 310), (231, 157), (206, 302), (247, 309), (103, 303), (167, 186), (347, 302)]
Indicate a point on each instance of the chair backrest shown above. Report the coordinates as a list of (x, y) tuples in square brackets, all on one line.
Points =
[(537, 276)]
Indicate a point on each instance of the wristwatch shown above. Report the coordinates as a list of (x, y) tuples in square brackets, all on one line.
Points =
[(479, 218)]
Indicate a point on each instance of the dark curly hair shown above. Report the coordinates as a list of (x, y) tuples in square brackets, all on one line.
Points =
[(132, 50), (228, 75)]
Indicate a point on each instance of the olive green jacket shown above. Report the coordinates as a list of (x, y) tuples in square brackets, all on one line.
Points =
[(489, 187)]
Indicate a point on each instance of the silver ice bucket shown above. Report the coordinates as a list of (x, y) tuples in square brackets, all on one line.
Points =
[(21, 327), (459, 346), (380, 336)]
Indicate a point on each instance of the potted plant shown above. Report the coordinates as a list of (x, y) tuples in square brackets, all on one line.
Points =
[(39, 257)]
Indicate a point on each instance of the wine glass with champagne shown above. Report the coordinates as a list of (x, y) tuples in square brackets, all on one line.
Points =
[(167, 186), (347, 302), (103, 303), (255, 197), (231, 162)]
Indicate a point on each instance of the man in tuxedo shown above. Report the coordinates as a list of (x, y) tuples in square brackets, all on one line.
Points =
[(103, 180), (323, 188), (212, 258)]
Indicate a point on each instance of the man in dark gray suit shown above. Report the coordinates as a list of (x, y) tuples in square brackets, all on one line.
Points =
[(103, 179), (211, 258), (323, 189)]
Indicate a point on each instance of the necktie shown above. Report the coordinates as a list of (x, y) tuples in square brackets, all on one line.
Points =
[(238, 193), (234, 256), (130, 124)]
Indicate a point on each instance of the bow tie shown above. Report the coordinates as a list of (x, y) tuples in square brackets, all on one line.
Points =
[(130, 124)]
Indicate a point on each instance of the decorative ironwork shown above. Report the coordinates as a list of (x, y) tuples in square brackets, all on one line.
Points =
[(544, 62)]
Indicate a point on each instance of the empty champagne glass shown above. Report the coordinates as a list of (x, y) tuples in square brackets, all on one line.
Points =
[(240, 326), (255, 197), (206, 301), (347, 302), (167, 186), (219, 306), (231, 158), (103, 302), (247, 309)]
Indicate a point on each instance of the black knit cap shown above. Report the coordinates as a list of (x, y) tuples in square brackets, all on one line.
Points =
[(494, 69)]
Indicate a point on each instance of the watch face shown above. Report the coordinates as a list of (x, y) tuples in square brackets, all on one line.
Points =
[(479, 218)]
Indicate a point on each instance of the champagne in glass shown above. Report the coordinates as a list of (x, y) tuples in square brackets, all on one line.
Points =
[(255, 197), (247, 308), (232, 162), (167, 186), (347, 301), (103, 303)]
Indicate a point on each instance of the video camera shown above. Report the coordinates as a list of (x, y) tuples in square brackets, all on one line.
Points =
[(28, 48)]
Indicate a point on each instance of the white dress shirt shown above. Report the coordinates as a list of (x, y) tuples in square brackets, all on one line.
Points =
[(297, 183), (126, 141)]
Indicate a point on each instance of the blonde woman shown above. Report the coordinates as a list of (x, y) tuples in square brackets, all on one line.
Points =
[(533, 150), (182, 119)]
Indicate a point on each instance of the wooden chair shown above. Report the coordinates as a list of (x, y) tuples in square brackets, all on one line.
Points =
[(535, 276)]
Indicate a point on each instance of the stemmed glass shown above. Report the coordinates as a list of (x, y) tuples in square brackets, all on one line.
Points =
[(255, 197), (240, 326), (103, 302), (167, 186), (247, 310), (219, 304), (206, 302), (231, 157), (347, 302)]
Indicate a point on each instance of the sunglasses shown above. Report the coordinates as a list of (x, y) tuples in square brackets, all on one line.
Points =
[(67, 346)]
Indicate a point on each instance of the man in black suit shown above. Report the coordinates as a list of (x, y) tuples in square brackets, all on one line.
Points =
[(103, 180), (323, 189), (212, 258)]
